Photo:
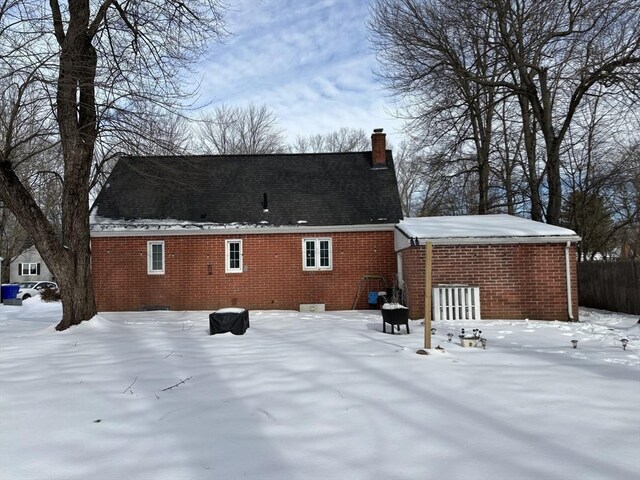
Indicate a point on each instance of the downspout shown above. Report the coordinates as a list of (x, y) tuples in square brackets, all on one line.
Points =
[(399, 270), (567, 267)]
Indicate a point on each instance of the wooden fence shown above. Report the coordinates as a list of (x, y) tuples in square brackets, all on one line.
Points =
[(611, 286)]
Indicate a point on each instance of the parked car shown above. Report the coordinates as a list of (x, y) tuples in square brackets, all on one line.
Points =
[(32, 289)]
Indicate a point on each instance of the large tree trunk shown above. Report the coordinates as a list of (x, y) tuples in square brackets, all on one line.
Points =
[(77, 120), (6, 265), (481, 117), (483, 147), (69, 262), (68, 257), (77, 292), (483, 184), (529, 135), (555, 182)]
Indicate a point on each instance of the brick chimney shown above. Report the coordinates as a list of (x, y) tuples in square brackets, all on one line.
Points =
[(378, 148)]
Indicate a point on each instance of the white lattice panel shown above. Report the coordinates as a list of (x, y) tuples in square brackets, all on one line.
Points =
[(456, 302)]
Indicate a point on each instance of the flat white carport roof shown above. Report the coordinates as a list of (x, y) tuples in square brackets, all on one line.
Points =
[(478, 229)]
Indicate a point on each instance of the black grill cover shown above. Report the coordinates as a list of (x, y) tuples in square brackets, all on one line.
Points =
[(234, 320)]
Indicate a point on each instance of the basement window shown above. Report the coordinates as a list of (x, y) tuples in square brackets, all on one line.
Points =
[(155, 258), (316, 254), (233, 256)]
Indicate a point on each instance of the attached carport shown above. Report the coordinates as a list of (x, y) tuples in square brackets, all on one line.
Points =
[(489, 267)]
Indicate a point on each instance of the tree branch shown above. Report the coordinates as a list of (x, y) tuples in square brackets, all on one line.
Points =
[(58, 27)]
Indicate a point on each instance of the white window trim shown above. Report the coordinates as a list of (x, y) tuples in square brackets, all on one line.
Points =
[(150, 269), (29, 274), (317, 253), (227, 256)]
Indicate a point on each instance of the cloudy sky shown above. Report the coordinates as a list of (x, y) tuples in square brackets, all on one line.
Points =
[(309, 61)]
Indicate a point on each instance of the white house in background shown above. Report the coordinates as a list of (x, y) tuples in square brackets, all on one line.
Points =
[(29, 267)]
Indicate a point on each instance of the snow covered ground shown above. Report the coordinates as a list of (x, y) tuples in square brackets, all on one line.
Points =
[(315, 396)]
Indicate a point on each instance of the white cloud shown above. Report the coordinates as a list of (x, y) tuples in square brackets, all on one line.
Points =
[(310, 62)]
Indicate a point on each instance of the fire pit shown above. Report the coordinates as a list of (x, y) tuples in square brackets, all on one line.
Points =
[(395, 315)]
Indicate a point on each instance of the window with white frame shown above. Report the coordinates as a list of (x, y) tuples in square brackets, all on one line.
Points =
[(28, 269), (233, 256), (155, 258), (316, 254)]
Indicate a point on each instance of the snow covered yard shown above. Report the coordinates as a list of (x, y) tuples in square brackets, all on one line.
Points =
[(315, 396)]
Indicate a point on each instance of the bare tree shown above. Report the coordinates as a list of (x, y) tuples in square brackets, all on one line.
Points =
[(342, 140), (557, 52), (236, 130), (453, 63), (27, 139), (410, 178), (627, 238), (599, 169), (13, 239), (428, 184), (430, 53), (97, 63), (152, 131)]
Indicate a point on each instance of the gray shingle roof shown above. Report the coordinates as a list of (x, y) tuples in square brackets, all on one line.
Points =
[(317, 189)]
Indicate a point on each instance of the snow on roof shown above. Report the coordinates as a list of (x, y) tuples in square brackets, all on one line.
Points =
[(99, 223), (104, 227), (481, 227)]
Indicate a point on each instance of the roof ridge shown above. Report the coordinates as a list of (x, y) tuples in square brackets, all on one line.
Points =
[(287, 154)]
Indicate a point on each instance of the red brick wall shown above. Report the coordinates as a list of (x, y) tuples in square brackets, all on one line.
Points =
[(273, 279), (516, 281)]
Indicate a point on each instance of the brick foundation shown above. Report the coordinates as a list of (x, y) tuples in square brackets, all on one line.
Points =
[(516, 281), (195, 277)]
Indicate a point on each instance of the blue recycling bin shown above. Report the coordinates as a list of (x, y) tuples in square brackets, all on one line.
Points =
[(372, 298), (9, 291)]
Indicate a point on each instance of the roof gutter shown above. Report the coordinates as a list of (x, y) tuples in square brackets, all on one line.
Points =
[(489, 240), (159, 231)]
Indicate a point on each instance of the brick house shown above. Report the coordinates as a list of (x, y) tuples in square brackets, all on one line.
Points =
[(257, 231), (489, 266)]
